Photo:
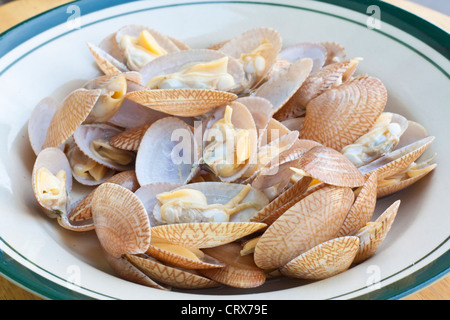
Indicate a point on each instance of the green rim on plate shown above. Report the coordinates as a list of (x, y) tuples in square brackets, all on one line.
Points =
[(421, 29)]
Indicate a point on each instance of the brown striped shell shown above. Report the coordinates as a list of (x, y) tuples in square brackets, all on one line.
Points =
[(247, 42), (120, 219), (239, 271), (340, 115), (222, 193), (314, 219), (373, 234), (181, 102), (39, 122), (330, 166), (70, 115), (205, 234), (82, 210), (169, 275), (324, 260)]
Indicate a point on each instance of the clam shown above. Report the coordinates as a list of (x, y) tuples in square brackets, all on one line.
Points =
[(136, 45), (382, 138), (239, 271), (208, 202), (185, 279), (126, 270), (52, 182), (93, 141), (397, 160), (405, 178), (230, 141), (120, 220), (341, 115), (182, 102), (324, 260), (256, 50), (203, 235), (132, 114), (193, 69), (180, 256), (106, 62), (113, 89), (363, 208), (313, 220), (81, 211), (373, 234), (86, 170)]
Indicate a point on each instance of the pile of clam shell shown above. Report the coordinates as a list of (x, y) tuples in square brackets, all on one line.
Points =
[(225, 165)]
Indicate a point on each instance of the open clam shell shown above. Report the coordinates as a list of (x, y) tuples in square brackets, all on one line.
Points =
[(239, 271), (341, 115), (324, 260), (373, 234), (147, 194), (93, 141), (219, 193), (51, 197), (70, 115), (167, 153), (257, 50), (221, 150), (314, 219), (120, 219), (397, 160), (405, 178), (135, 56), (174, 62)]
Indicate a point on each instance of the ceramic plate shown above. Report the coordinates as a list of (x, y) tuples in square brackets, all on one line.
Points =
[(48, 56)]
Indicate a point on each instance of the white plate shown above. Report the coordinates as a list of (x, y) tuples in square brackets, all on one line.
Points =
[(53, 59)]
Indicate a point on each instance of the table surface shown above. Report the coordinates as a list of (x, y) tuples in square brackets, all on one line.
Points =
[(16, 11)]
